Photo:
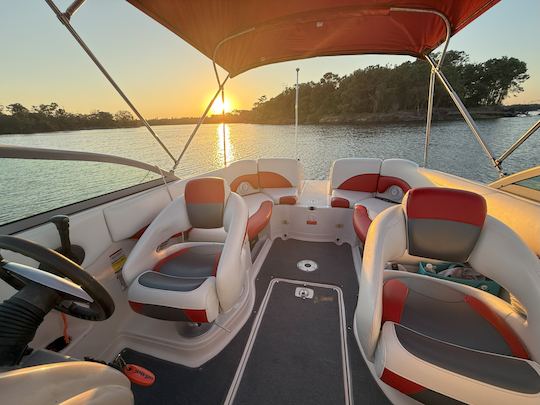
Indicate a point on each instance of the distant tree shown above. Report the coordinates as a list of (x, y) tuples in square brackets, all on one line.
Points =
[(123, 116), (17, 109)]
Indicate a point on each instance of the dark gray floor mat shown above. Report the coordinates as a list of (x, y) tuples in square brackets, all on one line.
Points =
[(297, 355), (209, 383)]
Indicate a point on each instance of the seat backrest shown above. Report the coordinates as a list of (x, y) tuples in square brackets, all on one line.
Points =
[(443, 224), (355, 174), (279, 173), (243, 177), (397, 176), (205, 201)]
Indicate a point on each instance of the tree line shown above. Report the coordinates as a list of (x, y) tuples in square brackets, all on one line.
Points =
[(387, 89), (375, 90), (17, 119)]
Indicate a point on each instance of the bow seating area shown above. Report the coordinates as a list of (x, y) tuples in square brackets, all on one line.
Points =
[(370, 186), (264, 183)]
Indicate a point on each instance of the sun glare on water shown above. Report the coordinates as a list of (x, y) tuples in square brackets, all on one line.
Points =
[(217, 107)]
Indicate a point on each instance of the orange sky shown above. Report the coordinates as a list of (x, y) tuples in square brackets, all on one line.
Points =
[(165, 77)]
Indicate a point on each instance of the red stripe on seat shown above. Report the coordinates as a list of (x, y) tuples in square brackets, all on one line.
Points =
[(287, 200), (136, 306), (204, 191), (447, 204), (273, 180), (394, 296), (361, 222), (252, 179), (400, 383), (339, 202), (258, 221), (509, 336), (387, 181), (160, 264), (362, 182), (196, 315)]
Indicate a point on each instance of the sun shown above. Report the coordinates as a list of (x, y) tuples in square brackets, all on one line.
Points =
[(217, 107)]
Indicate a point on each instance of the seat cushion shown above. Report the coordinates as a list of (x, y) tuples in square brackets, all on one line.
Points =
[(361, 222), (205, 201), (181, 287), (352, 197), (441, 312), (437, 372), (285, 195), (375, 206)]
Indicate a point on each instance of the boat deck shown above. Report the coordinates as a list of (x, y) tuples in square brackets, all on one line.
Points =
[(291, 335)]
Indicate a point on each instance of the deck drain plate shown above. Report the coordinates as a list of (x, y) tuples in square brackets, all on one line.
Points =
[(307, 265)]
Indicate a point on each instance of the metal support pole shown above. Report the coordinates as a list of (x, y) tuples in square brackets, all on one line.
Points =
[(65, 21), (296, 116), (200, 122), (465, 113), (518, 143), (224, 131), (429, 115), (73, 8)]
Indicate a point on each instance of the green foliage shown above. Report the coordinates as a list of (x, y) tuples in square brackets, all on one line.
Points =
[(389, 89), (51, 117)]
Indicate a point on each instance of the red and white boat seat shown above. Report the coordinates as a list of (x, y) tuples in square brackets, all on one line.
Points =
[(280, 179), (441, 342), (397, 176), (353, 180), (191, 281), (243, 176)]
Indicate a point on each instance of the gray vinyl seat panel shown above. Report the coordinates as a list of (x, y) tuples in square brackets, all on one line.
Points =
[(440, 312), (502, 371), (185, 270), (152, 279)]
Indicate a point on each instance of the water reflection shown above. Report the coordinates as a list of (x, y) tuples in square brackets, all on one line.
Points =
[(224, 145)]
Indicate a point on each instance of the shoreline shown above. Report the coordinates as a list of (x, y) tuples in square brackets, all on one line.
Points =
[(398, 117)]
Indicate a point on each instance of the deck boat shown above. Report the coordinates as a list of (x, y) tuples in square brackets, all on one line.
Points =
[(252, 284)]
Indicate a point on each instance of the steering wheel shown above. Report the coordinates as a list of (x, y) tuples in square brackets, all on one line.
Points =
[(61, 284)]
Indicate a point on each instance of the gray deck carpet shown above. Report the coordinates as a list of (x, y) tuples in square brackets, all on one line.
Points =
[(296, 356), (210, 383)]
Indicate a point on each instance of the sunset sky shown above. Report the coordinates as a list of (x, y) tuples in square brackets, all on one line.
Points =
[(165, 77)]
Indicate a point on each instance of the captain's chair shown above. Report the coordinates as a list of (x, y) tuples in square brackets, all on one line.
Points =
[(191, 281), (442, 342)]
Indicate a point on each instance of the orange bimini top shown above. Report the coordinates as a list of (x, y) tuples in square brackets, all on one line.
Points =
[(242, 34)]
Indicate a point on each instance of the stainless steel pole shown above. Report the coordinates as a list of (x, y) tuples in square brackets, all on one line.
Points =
[(429, 115), (224, 131), (518, 143), (296, 116), (65, 21), (465, 113)]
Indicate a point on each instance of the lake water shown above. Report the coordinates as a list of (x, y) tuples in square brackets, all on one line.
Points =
[(30, 187)]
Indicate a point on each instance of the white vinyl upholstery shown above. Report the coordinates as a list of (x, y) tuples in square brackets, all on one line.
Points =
[(344, 169), (290, 169), (71, 382), (220, 290), (276, 194), (375, 206), (353, 197)]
